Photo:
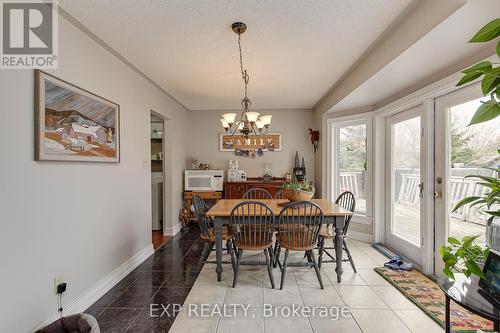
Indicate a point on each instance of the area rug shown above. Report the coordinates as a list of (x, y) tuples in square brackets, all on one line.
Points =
[(427, 295)]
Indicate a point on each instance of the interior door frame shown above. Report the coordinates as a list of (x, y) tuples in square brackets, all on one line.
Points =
[(442, 159)]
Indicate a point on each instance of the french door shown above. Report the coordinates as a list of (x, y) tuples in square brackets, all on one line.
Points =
[(405, 183), (460, 150)]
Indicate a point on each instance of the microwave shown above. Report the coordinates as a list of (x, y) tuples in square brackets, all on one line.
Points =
[(203, 180)]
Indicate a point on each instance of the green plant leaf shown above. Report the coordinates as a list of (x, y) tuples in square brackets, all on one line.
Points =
[(448, 273), (490, 81), (468, 78), (474, 72), (463, 202), (480, 67), (493, 212), (488, 32), (467, 241), (487, 179), (498, 48), (474, 268), (482, 201), (487, 111), (466, 272), (453, 240)]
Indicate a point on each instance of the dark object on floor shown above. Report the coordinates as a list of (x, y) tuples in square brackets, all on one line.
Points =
[(345, 200), (399, 265), (78, 323)]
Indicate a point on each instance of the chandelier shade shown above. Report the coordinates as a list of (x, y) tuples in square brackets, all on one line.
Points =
[(266, 119), (252, 116), (229, 117)]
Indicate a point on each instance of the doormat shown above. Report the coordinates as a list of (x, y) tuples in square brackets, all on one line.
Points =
[(427, 295)]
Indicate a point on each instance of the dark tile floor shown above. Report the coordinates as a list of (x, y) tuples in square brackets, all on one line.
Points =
[(164, 278)]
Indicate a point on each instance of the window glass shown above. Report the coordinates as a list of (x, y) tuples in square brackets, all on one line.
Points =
[(353, 163)]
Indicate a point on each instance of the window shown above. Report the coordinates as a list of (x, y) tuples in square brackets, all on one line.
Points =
[(349, 160)]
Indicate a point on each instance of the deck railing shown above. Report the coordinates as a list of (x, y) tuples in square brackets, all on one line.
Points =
[(407, 190)]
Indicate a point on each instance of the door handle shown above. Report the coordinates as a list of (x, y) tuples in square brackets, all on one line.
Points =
[(421, 192), (438, 194)]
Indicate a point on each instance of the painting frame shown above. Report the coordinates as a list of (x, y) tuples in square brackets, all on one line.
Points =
[(233, 149), (41, 154)]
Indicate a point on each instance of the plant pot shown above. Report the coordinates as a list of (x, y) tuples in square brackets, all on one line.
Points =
[(299, 195)]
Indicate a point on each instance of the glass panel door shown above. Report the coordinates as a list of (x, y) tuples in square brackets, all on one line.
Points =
[(405, 184), (461, 150)]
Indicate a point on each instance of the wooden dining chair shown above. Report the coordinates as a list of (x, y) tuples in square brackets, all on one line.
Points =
[(252, 223), (207, 231), (347, 201), (306, 217), (257, 193)]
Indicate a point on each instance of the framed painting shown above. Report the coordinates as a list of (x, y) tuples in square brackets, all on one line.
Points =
[(266, 142), (73, 124)]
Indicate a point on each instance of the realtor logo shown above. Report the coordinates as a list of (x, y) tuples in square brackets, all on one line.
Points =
[(29, 34)]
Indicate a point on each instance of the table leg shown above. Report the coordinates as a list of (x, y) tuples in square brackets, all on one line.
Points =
[(447, 315), (338, 225), (218, 247)]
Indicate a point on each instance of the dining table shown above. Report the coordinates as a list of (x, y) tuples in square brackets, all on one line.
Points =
[(334, 215)]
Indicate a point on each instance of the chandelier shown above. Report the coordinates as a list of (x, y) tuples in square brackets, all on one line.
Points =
[(249, 122)]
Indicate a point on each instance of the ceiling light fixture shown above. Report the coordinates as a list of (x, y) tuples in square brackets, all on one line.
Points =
[(249, 122)]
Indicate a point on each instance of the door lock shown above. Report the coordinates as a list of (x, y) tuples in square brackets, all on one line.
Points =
[(421, 187), (438, 195)]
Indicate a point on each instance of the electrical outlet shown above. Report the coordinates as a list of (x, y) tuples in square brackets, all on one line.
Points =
[(57, 281)]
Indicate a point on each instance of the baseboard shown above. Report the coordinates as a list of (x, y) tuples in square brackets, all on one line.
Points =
[(172, 231), (82, 302), (361, 236)]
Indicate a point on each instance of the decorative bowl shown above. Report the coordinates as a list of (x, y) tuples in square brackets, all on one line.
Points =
[(298, 195)]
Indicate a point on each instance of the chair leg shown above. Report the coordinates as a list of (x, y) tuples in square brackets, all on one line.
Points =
[(283, 270), (232, 251), (228, 242), (237, 266), (349, 256), (318, 273), (321, 249), (268, 264), (204, 256), (277, 250), (308, 256)]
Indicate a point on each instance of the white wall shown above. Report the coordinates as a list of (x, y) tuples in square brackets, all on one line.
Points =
[(78, 220), (203, 140)]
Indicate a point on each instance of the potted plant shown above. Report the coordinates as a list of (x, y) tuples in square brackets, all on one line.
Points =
[(298, 190), (466, 255)]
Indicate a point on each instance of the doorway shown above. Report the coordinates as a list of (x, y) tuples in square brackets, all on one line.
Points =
[(157, 180), (404, 229), (461, 150)]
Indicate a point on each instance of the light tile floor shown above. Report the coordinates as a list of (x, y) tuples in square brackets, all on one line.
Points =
[(373, 304)]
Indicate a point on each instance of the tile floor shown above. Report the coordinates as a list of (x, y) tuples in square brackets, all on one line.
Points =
[(169, 277)]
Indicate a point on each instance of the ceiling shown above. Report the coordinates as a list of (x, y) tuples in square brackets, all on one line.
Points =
[(295, 51), (432, 56)]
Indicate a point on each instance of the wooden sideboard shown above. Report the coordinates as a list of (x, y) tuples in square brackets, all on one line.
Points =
[(235, 190), (208, 196)]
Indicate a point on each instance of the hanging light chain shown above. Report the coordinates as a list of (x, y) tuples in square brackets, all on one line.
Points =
[(244, 73)]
